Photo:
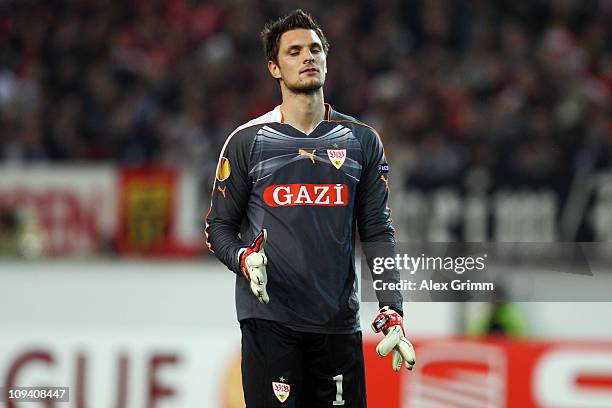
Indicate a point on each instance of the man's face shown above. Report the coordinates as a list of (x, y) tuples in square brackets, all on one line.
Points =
[(301, 61)]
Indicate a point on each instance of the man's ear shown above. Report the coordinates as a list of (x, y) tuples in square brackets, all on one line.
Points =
[(274, 69)]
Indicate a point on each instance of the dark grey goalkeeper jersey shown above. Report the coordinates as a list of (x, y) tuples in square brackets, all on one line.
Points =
[(310, 192)]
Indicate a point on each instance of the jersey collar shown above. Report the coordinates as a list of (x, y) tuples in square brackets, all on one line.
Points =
[(277, 113)]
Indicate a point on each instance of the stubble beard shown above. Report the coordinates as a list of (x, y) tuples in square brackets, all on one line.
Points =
[(305, 89)]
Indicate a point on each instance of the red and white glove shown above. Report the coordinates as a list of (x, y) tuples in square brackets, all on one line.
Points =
[(253, 263), (389, 322)]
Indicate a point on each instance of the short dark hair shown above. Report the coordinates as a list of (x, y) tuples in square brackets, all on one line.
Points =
[(273, 31)]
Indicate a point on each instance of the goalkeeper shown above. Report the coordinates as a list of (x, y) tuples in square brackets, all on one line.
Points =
[(292, 188)]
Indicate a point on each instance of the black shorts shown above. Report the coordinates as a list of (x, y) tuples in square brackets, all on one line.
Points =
[(282, 367)]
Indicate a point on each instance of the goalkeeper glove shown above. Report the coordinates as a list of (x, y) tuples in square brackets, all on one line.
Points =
[(390, 323), (253, 263)]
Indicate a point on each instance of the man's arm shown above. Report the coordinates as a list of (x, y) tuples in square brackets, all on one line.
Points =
[(378, 238), (374, 216), (229, 200)]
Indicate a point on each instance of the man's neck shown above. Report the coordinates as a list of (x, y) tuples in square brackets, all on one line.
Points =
[(303, 111)]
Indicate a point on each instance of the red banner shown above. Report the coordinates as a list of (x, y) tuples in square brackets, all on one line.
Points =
[(146, 210), (494, 374), (68, 209)]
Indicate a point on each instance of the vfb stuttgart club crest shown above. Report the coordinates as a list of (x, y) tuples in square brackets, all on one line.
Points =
[(281, 390), (336, 157)]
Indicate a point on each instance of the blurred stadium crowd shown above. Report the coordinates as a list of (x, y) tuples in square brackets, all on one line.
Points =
[(522, 88)]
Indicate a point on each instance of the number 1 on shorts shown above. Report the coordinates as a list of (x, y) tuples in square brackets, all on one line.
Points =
[(339, 400)]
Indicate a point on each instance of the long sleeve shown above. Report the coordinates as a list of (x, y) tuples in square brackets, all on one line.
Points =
[(229, 199), (374, 216)]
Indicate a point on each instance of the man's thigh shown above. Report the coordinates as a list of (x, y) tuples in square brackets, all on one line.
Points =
[(334, 374), (272, 364)]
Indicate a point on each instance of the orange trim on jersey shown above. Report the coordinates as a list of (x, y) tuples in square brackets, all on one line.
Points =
[(206, 241), (328, 110), (386, 181)]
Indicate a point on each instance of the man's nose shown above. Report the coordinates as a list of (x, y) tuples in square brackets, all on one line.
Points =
[(309, 56)]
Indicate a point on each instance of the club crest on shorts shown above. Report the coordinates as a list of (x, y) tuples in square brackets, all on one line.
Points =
[(281, 389), (336, 157)]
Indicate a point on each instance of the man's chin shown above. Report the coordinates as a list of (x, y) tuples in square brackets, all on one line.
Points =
[(306, 87)]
